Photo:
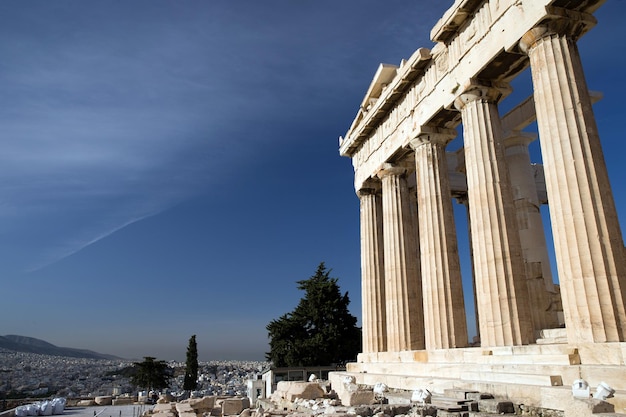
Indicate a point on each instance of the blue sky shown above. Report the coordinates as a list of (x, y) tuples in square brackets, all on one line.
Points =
[(172, 168)]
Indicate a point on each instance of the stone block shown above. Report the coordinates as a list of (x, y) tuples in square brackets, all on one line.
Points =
[(450, 404), (586, 407), (458, 393), (187, 414), (359, 397), (104, 400), (234, 406), (495, 406), (475, 396), (202, 404), (305, 390)]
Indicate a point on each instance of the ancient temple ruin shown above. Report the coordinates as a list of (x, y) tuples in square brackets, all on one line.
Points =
[(534, 340)]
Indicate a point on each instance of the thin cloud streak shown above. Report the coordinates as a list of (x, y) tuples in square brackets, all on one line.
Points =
[(120, 113)]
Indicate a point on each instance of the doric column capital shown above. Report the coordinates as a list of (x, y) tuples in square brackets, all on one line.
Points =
[(387, 169), (365, 192), (518, 138), (481, 90), (433, 135), (560, 22), (369, 187)]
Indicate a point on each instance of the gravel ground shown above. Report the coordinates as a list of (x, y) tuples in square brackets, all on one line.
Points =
[(107, 411)]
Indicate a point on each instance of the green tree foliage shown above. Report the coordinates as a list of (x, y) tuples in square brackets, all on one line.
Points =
[(151, 374), (191, 367), (320, 331)]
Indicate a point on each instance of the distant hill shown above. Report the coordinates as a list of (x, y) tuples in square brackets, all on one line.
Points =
[(32, 345)]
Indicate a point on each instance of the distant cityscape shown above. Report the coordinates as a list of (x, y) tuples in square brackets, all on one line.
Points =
[(34, 375)]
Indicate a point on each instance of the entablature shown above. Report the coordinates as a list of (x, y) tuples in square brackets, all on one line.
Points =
[(424, 87)]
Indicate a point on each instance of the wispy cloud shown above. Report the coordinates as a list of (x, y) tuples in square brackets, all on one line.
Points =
[(98, 134), (114, 112)]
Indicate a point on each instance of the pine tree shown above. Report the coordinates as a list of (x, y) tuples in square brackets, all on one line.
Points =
[(151, 374), (191, 368), (320, 331)]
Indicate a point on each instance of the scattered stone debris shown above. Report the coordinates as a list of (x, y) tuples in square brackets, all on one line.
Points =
[(318, 399)]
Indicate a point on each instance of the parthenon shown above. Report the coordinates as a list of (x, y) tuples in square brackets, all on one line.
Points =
[(535, 338)]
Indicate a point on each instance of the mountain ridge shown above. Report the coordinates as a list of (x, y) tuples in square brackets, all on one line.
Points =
[(28, 344)]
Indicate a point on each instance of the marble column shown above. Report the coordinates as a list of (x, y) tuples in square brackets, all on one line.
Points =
[(531, 231), (501, 290), (588, 242), (403, 289), (372, 269), (442, 288)]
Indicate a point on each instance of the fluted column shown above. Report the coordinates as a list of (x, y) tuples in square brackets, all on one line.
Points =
[(372, 269), (532, 234), (501, 290), (588, 242), (403, 291), (442, 288)]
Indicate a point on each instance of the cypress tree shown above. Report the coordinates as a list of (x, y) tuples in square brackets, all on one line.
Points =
[(191, 367)]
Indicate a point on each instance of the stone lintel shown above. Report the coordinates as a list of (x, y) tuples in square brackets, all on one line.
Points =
[(458, 182), (522, 115)]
